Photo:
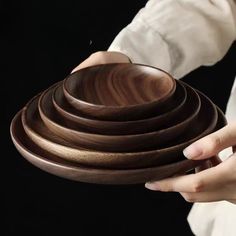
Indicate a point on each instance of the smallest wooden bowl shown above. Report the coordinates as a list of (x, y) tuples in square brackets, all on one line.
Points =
[(120, 91)]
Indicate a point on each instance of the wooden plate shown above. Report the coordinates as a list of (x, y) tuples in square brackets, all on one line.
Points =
[(119, 91)]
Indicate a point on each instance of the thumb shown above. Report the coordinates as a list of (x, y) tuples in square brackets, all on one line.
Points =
[(212, 144)]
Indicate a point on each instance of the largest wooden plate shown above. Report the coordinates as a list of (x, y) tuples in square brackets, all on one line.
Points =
[(54, 165)]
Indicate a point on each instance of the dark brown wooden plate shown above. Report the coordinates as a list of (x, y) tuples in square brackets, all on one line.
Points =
[(119, 91)]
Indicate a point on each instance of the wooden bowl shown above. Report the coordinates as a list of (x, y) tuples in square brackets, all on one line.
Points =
[(54, 165), (120, 91), (172, 152), (91, 125), (117, 143)]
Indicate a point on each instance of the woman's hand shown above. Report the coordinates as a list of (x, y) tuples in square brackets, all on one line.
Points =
[(214, 184), (103, 57)]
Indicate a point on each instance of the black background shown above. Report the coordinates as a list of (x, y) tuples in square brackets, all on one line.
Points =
[(42, 42)]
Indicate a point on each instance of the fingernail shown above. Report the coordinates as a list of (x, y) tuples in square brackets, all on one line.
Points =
[(193, 151), (152, 186)]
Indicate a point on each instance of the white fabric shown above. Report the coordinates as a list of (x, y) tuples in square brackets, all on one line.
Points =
[(179, 36)]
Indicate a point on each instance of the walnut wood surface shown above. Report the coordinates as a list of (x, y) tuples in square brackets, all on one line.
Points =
[(120, 91)]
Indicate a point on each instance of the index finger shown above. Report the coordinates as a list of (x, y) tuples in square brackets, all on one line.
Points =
[(202, 181)]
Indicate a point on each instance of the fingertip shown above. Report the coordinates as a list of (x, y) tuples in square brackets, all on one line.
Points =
[(74, 70), (147, 186), (193, 152), (152, 186)]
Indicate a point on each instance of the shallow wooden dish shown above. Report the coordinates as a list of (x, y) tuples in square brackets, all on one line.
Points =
[(117, 143), (57, 166), (120, 91), (155, 122), (43, 137)]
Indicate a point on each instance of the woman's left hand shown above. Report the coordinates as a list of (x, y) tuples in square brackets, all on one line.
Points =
[(213, 184)]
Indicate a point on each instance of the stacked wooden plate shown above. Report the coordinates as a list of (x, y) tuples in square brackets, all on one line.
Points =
[(114, 124)]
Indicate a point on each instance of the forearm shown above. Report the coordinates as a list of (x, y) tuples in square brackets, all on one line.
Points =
[(179, 35)]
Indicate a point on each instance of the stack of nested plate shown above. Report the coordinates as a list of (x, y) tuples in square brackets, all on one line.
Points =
[(115, 124)]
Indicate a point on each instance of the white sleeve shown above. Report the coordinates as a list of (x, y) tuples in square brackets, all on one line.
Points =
[(179, 35)]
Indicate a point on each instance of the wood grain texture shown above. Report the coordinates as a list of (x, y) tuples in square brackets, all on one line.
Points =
[(60, 139), (120, 91)]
